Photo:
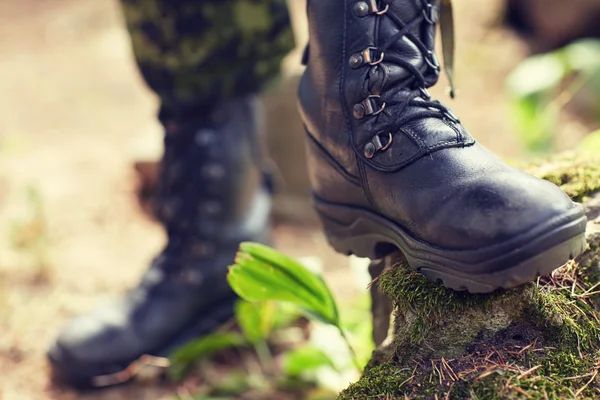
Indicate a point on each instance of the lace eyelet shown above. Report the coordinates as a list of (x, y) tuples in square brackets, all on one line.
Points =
[(375, 8), (429, 14), (425, 93), (376, 145), (368, 107), (432, 61), (389, 143), (368, 103), (368, 53)]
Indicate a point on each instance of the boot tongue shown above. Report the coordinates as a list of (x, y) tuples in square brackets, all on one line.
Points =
[(404, 47)]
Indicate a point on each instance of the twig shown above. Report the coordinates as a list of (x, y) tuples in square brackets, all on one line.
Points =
[(385, 271), (572, 378), (594, 287), (518, 389), (587, 384), (529, 372), (450, 370), (447, 397)]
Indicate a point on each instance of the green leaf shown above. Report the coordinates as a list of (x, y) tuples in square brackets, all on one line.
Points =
[(535, 123), (537, 74), (261, 274), (201, 348), (305, 359), (255, 319), (285, 315)]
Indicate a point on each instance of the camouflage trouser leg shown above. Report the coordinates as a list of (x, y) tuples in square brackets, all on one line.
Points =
[(194, 53)]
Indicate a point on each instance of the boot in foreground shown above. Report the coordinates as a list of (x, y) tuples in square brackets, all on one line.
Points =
[(393, 169)]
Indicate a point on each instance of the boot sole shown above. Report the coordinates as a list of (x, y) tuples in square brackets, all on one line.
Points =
[(356, 231), (85, 376)]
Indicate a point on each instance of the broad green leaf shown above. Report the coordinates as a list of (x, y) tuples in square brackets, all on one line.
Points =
[(256, 281), (261, 274), (255, 319), (201, 348), (537, 74), (305, 359)]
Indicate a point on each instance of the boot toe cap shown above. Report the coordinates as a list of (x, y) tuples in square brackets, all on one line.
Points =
[(92, 345), (496, 208)]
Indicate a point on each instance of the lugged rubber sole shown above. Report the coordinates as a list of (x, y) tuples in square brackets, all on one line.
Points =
[(352, 230)]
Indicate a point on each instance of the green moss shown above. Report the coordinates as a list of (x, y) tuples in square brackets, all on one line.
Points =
[(497, 387), (562, 364), (577, 173), (388, 379), (576, 320), (554, 324), (554, 375), (411, 289), (558, 376), (424, 300)]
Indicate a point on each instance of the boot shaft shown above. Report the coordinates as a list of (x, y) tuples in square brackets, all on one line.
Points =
[(359, 53), (211, 175), (342, 28)]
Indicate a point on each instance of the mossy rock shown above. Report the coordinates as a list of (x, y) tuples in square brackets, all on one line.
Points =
[(538, 341)]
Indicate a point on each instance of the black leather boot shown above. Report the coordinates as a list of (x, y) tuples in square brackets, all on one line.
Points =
[(393, 169), (213, 196)]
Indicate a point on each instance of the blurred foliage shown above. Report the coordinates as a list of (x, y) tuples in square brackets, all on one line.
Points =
[(590, 143), (301, 360), (201, 348), (275, 291), (542, 85), (29, 235)]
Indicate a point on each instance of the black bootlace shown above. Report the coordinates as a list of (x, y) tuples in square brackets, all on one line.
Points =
[(416, 90)]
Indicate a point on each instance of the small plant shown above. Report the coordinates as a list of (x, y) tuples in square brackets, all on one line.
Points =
[(542, 85), (263, 274), (274, 290)]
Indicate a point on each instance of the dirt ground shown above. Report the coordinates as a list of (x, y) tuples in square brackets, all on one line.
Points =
[(74, 116)]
